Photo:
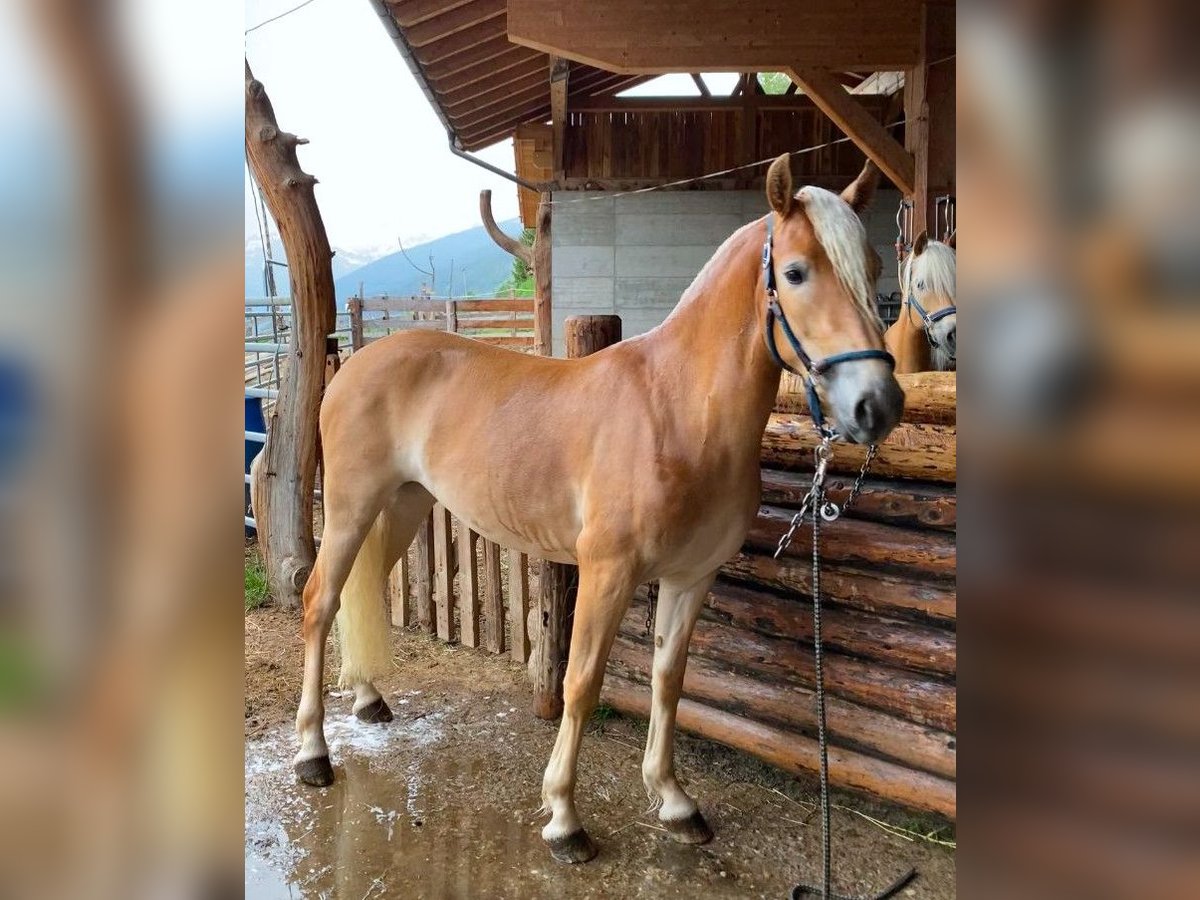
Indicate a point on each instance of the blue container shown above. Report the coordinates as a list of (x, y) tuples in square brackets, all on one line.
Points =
[(254, 422)]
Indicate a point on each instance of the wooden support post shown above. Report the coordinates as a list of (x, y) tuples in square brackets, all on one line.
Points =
[(400, 593), (468, 586), (518, 605), (425, 575), (443, 546), (585, 335), (493, 598), (542, 317), (283, 488), (452, 316), (929, 110), (355, 308), (560, 69)]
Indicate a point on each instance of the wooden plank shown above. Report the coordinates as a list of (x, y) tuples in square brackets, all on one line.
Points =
[(404, 304), (515, 304), (518, 605), (412, 12), (513, 323), (462, 41), (499, 105), (510, 66), (424, 587), (481, 53), (858, 124), (632, 36), (400, 593), (481, 96), (443, 546), (493, 598), (468, 586), (453, 21)]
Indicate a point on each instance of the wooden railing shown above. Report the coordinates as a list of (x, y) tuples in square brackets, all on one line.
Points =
[(500, 321)]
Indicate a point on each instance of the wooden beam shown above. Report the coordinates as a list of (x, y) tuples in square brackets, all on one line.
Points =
[(476, 97), (454, 22), (502, 69), (701, 86), (692, 35), (437, 67), (874, 104), (462, 41), (498, 103), (412, 12), (559, 71), (858, 124)]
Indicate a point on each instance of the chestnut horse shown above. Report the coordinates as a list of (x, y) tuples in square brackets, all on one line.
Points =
[(925, 336), (638, 463)]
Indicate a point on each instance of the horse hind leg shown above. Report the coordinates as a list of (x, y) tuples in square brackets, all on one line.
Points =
[(678, 606), (400, 519), (605, 588), (354, 527)]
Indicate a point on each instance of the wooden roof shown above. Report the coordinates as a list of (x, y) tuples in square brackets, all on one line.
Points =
[(482, 85)]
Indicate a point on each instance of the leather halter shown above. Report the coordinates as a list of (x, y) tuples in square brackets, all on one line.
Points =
[(928, 320), (814, 369)]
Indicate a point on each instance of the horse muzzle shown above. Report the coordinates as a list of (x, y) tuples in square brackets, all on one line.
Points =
[(865, 399)]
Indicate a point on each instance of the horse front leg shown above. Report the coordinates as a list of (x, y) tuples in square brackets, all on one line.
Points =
[(605, 589), (678, 607)]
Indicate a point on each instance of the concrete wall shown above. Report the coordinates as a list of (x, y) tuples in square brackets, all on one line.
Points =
[(635, 255)]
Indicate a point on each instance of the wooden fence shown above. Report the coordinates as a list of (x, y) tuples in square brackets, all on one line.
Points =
[(888, 591), (492, 588), (500, 321)]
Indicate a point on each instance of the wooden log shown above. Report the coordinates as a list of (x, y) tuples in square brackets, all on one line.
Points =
[(926, 452), (870, 591), (903, 503), (493, 598), (793, 707), (468, 586), (587, 334), (284, 473), (443, 547), (930, 398), (425, 575), (858, 544), (518, 605), (552, 639), (794, 752), (909, 645), (925, 699)]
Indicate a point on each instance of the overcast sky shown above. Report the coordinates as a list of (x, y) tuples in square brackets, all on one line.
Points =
[(377, 147)]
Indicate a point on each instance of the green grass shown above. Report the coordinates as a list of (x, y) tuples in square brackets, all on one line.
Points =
[(600, 717), (258, 591)]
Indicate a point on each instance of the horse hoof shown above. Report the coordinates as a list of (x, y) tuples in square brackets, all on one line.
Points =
[(316, 771), (574, 848), (374, 712), (692, 830)]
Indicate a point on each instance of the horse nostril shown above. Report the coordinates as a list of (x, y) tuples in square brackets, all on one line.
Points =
[(864, 415), (952, 337)]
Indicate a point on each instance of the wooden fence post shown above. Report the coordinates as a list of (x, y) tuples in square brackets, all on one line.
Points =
[(355, 308), (585, 335)]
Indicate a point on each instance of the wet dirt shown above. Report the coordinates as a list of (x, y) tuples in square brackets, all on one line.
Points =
[(442, 802)]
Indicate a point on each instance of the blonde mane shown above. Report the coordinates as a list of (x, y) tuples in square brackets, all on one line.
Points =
[(841, 232), (936, 265)]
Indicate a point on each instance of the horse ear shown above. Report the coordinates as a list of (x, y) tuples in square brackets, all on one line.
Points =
[(921, 243), (862, 189), (779, 185)]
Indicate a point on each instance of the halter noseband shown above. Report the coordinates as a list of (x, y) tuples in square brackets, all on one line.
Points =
[(813, 369), (928, 320)]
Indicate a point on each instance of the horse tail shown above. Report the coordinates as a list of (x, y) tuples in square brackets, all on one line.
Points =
[(363, 624)]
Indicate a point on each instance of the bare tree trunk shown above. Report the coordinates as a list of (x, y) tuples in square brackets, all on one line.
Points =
[(286, 468)]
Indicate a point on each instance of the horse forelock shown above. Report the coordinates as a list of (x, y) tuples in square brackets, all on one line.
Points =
[(842, 235), (936, 265)]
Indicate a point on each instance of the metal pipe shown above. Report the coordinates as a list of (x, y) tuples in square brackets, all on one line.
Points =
[(397, 36), (262, 347)]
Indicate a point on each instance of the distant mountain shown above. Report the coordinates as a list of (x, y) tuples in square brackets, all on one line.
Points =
[(479, 266)]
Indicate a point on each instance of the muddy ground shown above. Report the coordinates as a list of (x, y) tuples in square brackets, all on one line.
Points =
[(442, 802)]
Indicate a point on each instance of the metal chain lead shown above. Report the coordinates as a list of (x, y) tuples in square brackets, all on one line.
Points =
[(828, 509)]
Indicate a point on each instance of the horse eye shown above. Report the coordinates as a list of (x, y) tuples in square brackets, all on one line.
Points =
[(794, 276), (921, 284)]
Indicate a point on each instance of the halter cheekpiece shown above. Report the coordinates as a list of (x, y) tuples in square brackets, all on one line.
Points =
[(928, 320), (814, 369)]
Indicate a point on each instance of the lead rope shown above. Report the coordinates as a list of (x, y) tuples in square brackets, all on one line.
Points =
[(819, 508)]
